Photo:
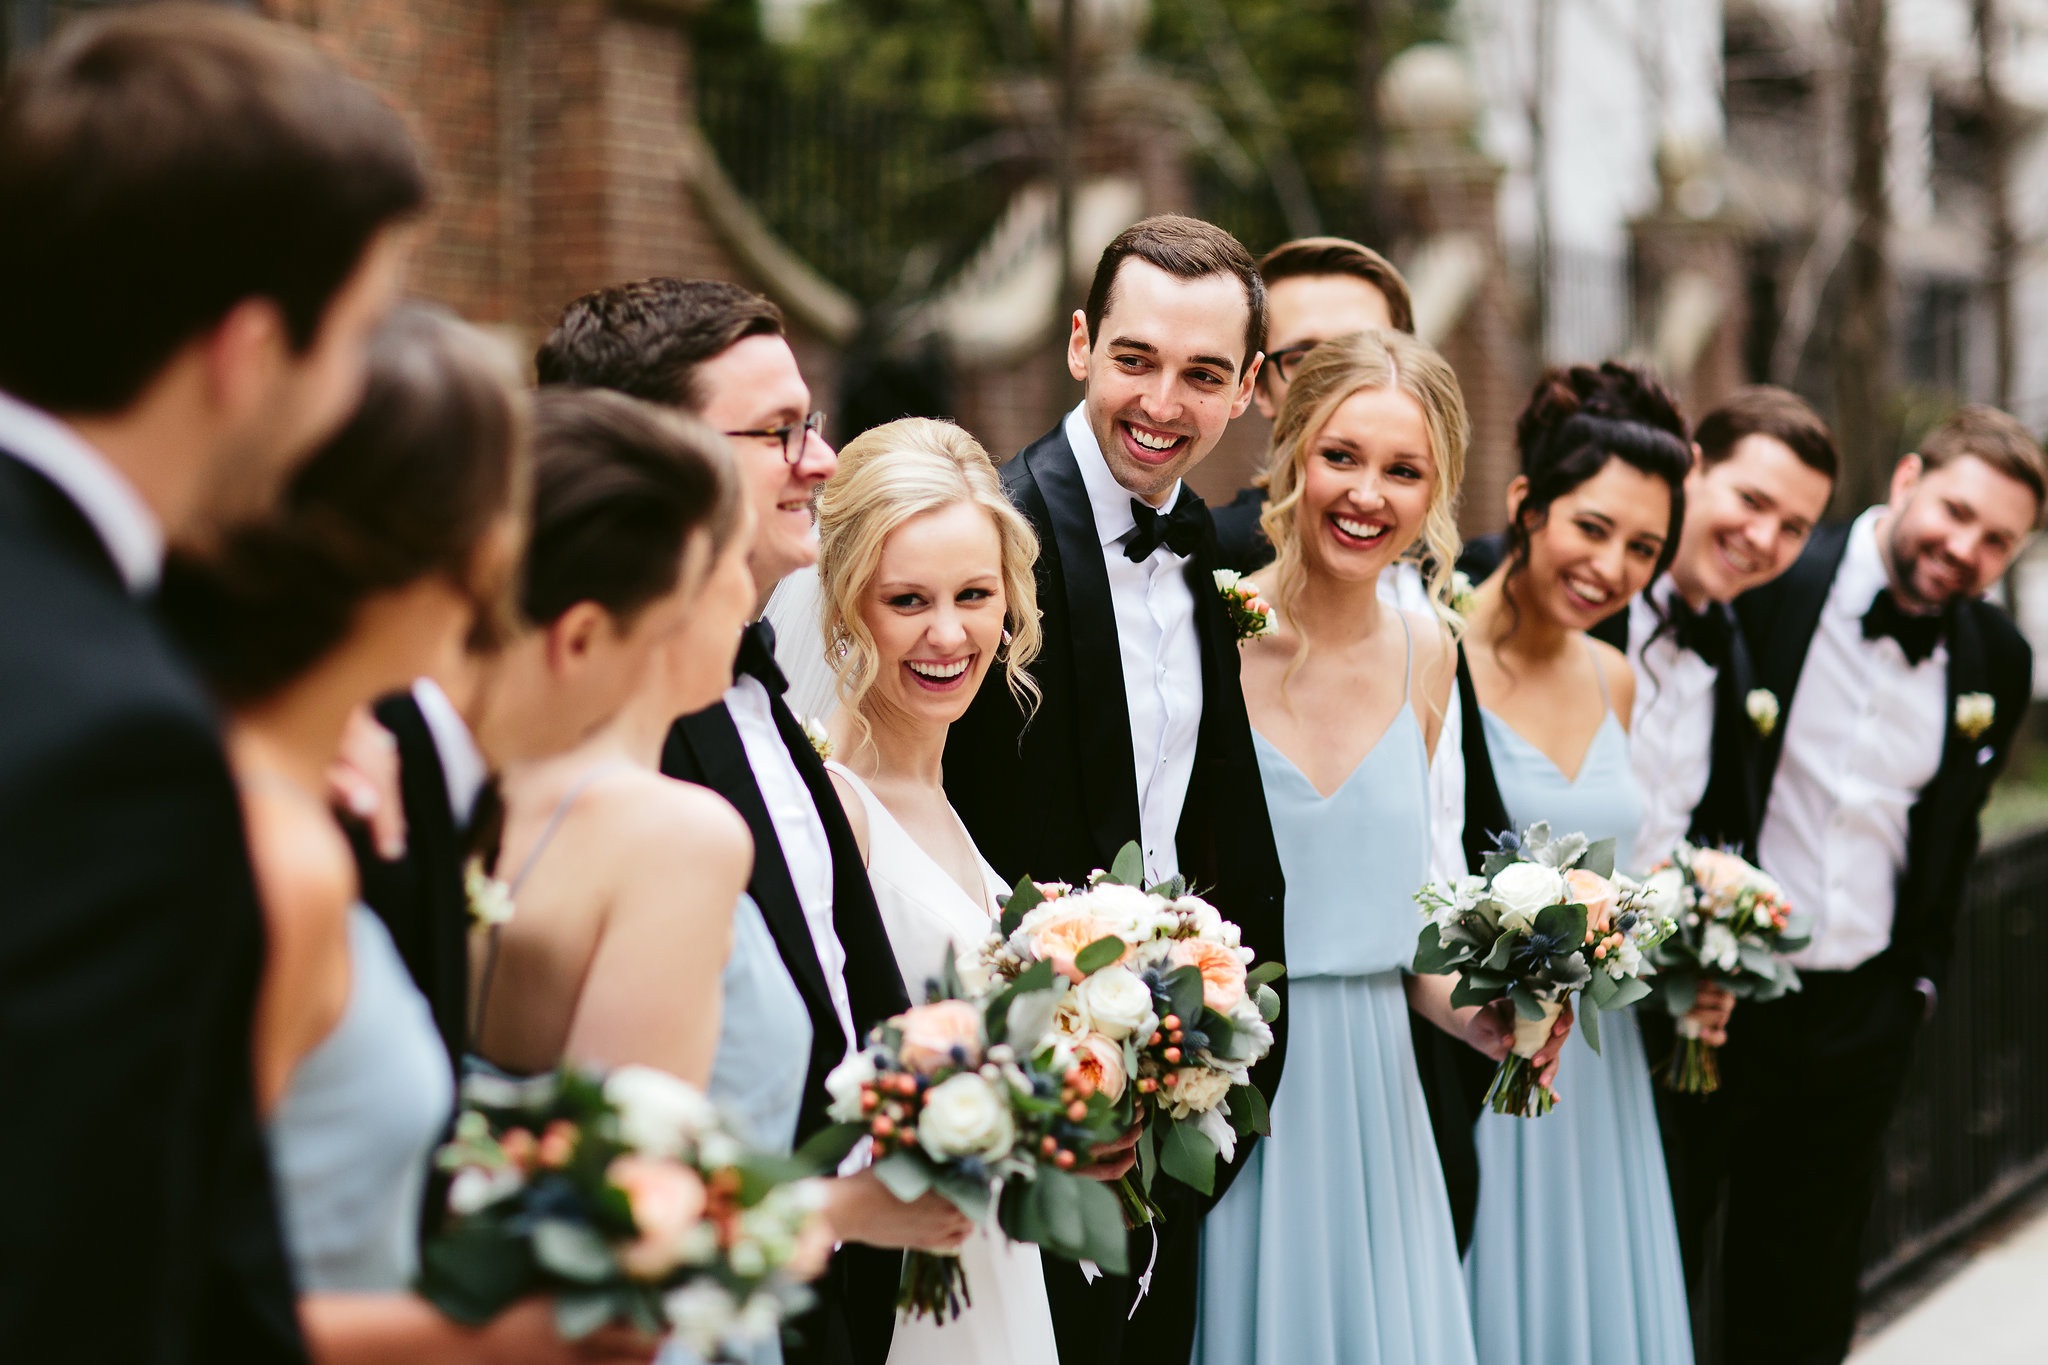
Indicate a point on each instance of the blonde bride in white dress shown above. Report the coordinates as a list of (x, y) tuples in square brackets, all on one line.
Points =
[(923, 564)]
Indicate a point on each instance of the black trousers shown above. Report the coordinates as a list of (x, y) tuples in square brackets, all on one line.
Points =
[(1694, 1129), (1808, 1085), (1093, 1323)]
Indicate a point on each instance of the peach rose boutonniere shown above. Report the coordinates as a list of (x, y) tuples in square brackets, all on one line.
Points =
[(1250, 615)]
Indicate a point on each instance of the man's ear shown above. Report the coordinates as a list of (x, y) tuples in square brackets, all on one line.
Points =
[(242, 355), (1077, 347), (1906, 476), (1248, 386)]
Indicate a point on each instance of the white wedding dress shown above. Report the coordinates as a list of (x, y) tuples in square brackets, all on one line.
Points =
[(929, 918)]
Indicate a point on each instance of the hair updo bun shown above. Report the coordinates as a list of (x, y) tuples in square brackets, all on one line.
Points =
[(1578, 419)]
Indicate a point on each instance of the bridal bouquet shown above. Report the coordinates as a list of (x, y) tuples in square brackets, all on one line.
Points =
[(625, 1197), (957, 1098), (1547, 919), (1158, 1002), (1735, 927)]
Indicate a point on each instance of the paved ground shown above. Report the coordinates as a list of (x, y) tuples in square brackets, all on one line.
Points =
[(1991, 1310)]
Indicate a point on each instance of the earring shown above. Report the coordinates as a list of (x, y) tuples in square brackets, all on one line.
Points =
[(1006, 637)]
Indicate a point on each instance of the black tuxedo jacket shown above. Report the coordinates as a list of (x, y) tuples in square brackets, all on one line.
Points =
[(420, 896), (1056, 797), (855, 1317), (1986, 653), (131, 944), (1240, 543)]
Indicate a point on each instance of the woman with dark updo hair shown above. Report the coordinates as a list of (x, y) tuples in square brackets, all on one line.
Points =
[(1575, 1257), (394, 545)]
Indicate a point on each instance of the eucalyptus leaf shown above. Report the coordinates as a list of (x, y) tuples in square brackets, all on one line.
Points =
[(1589, 1022), (577, 1315), (573, 1251), (1626, 993), (1103, 952), (1248, 1112), (906, 1176), (1268, 1001), (1128, 867), (1184, 992), (1432, 957), (471, 1274), (1599, 858), (1021, 902), (1265, 973), (1104, 1240), (1187, 1155), (1527, 1004)]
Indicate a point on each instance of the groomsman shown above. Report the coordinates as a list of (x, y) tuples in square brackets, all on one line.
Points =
[(203, 220), (1140, 733), (1316, 288), (1897, 694), (718, 351)]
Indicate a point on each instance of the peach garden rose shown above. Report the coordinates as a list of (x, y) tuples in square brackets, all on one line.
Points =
[(931, 1034), (1223, 971)]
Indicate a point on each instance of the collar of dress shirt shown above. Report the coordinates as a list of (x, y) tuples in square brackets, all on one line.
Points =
[(124, 522), (1862, 575), (1109, 500), (463, 765)]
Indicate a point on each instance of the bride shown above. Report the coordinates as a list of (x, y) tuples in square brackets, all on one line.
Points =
[(926, 584)]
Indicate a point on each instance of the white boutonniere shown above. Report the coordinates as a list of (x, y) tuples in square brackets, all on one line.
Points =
[(490, 900), (1974, 713), (1463, 598), (1762, 705), (1250, 616), (814, 731)]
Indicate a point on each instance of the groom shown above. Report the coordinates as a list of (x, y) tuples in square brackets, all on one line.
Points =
[(1140, 733), (1900, 691)]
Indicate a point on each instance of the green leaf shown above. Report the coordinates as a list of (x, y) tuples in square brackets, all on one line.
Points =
[(1128, 867), (1103, 952), (1248, 1113), (906, 1176), (1599, 858), (1265, 974), (830, 1146), (577, 1315), (1104, 1239), (1268, 1001), (1222, 1034), (969, 1196), (573, 1251), (1471, 992), (1020, 902), (1498, 956), (1626, 993), (1188, 1156), (1589, 1022), (1526, 1004), (1184, 993), (1565, 922), (1060, 1201), (473, 1273), (1432, 957), (1148, 1158)]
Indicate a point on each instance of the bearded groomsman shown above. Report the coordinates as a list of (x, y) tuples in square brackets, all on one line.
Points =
[(1141, 732), (1889, 695)]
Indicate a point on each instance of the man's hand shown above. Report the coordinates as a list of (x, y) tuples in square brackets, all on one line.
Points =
[(1709, 1014), (363, 782)]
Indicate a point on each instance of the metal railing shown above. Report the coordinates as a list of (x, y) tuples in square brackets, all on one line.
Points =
[(1971, 1129)]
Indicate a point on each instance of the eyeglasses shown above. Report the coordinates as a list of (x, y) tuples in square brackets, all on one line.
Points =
[(791, 436), (1283, 361)]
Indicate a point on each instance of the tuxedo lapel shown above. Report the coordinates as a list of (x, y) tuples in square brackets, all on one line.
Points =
[(1779, 621), (721, 762), (1946, 804), (1102, 707), (1731, 807)]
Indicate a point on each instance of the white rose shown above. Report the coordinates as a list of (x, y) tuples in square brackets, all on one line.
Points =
[(1720, 948), (844, 1082), (1663, 892), (966, 1116), (658, 1113), (1523, 889), (1117, 1003), (1132, 914), (1197, 1090), (476, 1188), (702, 1313)]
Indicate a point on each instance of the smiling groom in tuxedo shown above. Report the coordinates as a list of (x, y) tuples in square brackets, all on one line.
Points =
[(1901, 691), (1141, 732)]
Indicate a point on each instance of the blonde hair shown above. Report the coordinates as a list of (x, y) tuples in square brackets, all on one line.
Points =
[(1329, 375), (887, 476)]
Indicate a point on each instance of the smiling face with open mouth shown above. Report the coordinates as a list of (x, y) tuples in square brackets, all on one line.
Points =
[(1951, 532), (1746, 518), (1366, 484), (1166, 375), (935, 612), (1597, 545)]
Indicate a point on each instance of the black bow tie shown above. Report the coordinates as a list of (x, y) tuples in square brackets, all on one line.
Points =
[(757, 658), (1705, 633), (1917, 635), (1180, 530)]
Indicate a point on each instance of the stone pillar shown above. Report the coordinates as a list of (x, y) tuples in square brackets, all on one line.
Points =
[(1691, 282)]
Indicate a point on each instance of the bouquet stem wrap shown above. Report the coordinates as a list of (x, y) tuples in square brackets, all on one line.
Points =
[(1515, 1089), (1694, 1067)]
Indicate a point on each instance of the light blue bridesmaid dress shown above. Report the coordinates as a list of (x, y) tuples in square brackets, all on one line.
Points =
[(1334, 1246), (1574, 1257)]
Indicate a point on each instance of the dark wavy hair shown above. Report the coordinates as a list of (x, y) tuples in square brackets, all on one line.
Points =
[(1575, 422), (436, 456)]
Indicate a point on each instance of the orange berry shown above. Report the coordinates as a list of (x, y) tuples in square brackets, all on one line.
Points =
[(1172, 1055), (1065, 1161), (1077, 1111), (1171, 1021)]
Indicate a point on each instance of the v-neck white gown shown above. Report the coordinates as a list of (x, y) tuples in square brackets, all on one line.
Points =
[(929, 919)]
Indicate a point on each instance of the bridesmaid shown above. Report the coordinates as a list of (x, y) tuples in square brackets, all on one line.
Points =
[(1335, 1244), (1575, 1255), (389, 547)]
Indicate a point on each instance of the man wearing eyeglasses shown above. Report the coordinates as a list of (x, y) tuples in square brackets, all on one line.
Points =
[(718, 351), (1316, 288)]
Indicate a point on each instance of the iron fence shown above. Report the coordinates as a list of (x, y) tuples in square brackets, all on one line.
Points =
[(1971, 1131)]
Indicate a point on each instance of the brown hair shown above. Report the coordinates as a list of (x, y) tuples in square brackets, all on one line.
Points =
[(435, 458), (647, 338), (1996, 438), (1307, 256), (1767, 410), (1187, 249), (162, 164), (620, 488)]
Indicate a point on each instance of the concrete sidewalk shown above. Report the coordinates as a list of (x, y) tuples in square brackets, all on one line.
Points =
[(1993, 1311)]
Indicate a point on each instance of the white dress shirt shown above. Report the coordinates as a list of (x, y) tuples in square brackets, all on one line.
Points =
[(1671, 734), (463, 767), (1863, 737), (1160, 652), (798, 829), (124, 522)]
